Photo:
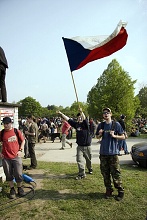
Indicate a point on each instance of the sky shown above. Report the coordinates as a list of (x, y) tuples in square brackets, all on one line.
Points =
[(31, 34)]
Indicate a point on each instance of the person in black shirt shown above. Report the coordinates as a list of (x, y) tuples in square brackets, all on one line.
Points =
[(83, 140)]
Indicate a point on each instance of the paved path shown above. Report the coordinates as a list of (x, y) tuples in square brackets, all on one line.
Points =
[(50, 152)]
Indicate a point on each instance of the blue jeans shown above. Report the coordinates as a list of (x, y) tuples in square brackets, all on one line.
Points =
[(123, 145)]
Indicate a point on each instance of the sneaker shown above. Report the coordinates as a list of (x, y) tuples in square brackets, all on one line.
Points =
[(21, 192), (12, 193), (61, 148), (71, 145), (108, 193), (31, 168), (120, 195), (26, 156), (90, 171), (79, 177), (127, 153)]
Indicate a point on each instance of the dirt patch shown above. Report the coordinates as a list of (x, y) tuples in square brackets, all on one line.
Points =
[(37, 176), (65, 191)]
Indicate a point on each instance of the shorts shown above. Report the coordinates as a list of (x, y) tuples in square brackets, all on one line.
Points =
[(13, 169)]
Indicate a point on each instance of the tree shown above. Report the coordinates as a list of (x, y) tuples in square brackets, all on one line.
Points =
[(74, 109), (45, 112), (114, 89), (52, 107), (142, 95), (29, 106)]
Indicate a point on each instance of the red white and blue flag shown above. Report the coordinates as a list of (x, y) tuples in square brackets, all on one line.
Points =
[(82, 50)]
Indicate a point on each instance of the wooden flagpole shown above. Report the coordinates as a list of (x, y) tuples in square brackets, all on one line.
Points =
[(75, 88)]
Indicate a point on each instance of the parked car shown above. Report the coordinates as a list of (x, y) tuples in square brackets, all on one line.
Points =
[(139, 154)]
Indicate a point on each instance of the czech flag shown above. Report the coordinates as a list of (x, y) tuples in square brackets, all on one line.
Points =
[(82, 50)]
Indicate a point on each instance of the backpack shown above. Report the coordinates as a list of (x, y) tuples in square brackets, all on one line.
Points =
[(112, 127), (16, 132)]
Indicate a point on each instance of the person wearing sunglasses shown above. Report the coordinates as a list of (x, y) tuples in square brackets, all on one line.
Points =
[(110, 131)]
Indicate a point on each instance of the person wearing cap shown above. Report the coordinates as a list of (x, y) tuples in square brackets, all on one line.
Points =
[(109, 162), (83, 140), (11, 156), (3, 66), (122, 143)]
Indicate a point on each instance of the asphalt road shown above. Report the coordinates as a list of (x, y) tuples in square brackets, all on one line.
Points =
[(50, 152)]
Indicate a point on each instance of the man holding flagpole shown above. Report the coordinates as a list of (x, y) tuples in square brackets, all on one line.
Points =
[(83, 139)]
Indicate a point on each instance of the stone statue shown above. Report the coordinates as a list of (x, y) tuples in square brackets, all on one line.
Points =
[(3, 66)]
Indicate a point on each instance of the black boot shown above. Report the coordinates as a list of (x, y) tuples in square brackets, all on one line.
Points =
[(120, 195), (108, 193)]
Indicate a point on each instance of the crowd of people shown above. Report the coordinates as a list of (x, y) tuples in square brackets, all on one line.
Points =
[(110, 133), (140, 126), (112, 142)]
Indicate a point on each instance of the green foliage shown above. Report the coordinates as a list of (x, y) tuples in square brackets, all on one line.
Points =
[(52, 107), (45, 112), (74, 109), (50, 111), (142, 96), (114, 89), (29, 106)]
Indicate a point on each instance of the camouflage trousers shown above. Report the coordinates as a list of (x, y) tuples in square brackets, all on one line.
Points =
[(110, 169)]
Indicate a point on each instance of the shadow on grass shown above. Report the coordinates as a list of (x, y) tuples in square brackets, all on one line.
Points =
[(36, 176), (56, 195)]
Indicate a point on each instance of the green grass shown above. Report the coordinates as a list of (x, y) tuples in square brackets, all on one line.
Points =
[(61, 197)]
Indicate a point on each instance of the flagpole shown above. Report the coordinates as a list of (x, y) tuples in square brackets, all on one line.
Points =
[(74, 87)]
